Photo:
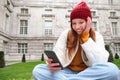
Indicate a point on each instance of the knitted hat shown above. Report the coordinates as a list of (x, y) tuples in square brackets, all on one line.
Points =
[(81, 11)]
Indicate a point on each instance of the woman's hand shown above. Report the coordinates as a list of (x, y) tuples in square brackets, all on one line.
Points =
[(88, 25), (85, 34), (53, 66)]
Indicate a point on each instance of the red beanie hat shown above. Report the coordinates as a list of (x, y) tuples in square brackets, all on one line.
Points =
[(80, 11)]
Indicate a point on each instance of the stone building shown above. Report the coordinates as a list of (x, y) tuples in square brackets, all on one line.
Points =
[(32, 26)]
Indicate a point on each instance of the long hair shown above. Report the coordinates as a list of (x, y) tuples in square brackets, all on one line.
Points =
[(73, 38)]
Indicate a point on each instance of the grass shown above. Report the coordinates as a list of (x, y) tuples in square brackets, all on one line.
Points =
[(23, 71), (117, 62), (18, 71)]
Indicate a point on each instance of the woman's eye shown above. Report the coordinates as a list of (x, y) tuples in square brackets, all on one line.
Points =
[(80, 22), (73, 23)]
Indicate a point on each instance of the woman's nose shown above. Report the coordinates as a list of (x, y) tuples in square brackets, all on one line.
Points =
[(77, 25)]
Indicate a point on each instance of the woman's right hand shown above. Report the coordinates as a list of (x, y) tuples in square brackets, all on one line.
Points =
[(53, 66)]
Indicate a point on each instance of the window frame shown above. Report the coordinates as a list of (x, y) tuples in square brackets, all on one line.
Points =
[(114, 29), (22, 48), (23, 27), (48, 46), (24, 11), (48, 29)]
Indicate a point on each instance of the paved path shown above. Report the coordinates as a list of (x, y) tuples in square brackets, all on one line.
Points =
[(10, 62)]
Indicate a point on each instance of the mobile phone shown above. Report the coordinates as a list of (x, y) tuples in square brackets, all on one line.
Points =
[(52, 55)]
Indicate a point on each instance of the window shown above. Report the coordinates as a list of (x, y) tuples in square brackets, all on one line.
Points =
[(22, 47), (23, 26), (24, 11), (112, 14), (48, 11), (69, 11), (68, 14), (48, 27), (117, 48), (48, 46), (94, 24), (93, 13), (110, 1), (114, 28)]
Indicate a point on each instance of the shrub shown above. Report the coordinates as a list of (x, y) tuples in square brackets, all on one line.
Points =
[(42, 58), (2, 61), (110, 59), (116, 56), (23, 58)]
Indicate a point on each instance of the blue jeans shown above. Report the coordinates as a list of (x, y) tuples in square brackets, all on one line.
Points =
[(99, 71)]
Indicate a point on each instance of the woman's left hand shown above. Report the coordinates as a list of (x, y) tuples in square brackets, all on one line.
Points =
[(88, 25), (85, 34)]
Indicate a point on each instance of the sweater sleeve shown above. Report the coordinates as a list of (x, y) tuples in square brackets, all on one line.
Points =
[(60, 48), (95, 51), (85, 37)]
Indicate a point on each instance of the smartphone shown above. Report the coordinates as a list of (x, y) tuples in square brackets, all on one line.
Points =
[(52, 55)]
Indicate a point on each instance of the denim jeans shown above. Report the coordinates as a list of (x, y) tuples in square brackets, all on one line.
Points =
[(99, 71)]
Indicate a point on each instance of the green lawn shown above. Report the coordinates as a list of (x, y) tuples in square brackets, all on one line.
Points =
[(18, 71), (23, 71), (117, 62)]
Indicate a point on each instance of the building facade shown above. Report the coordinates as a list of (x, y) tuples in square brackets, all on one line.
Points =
[(32, 26)]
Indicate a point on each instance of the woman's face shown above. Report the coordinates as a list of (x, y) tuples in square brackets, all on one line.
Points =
[(78, 25)]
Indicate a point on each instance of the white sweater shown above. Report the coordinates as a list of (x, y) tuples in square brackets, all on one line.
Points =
[(94, 51)]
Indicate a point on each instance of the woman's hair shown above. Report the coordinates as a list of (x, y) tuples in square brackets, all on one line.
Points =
[(73, 38)]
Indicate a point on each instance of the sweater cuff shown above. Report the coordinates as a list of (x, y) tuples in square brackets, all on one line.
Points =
[(85, 37)]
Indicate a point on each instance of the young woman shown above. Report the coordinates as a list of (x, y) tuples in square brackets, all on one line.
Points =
[(81, 51)]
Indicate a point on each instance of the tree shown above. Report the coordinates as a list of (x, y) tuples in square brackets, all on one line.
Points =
[(110, 59), (23, 58), (2, 61), (42, 58), (116, 56)]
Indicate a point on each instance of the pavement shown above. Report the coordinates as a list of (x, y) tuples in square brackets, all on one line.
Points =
[(11, 62)]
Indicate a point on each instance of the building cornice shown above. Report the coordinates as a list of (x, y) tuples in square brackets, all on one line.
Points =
[(34, 38), (5, 35), (43, 4)]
